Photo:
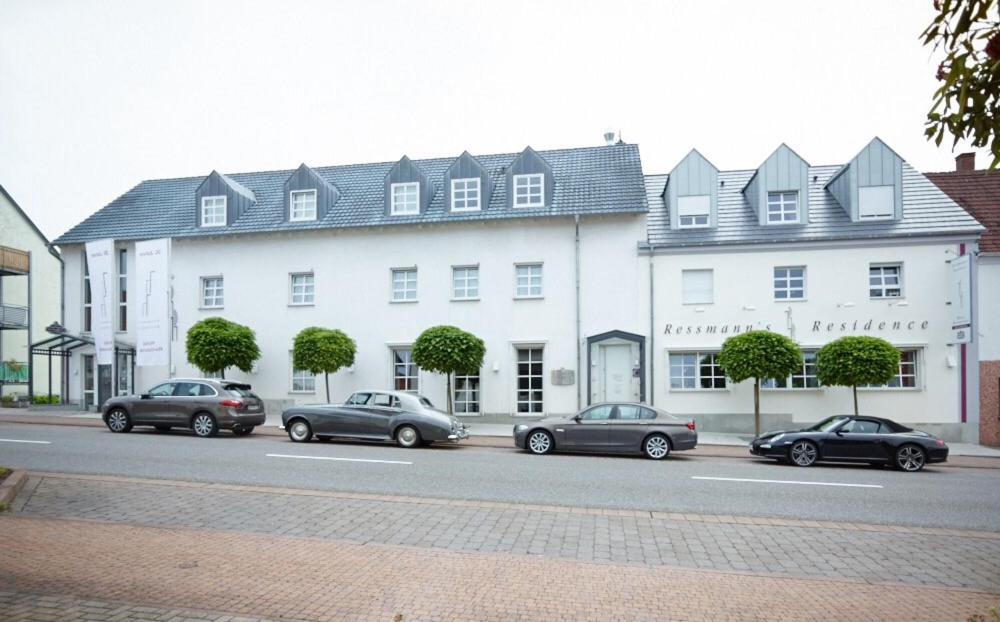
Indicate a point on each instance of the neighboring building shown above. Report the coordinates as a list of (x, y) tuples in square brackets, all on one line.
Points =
[(978, 192), (30, 299)]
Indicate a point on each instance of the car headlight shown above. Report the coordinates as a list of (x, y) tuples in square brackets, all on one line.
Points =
[(520, 428)]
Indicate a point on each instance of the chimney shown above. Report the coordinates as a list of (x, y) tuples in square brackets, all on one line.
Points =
[(609, 137), (965, 162)]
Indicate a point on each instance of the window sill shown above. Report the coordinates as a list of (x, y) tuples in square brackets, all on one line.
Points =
[(889, 389), (302, 219), (302, 304), (302, 392), (402, 302), (696, 304), (540, 206), (672, 390), (793, 390), (210, 308), (886, 298), (469, 210), (791, 300), (465, 299), (528, 297)]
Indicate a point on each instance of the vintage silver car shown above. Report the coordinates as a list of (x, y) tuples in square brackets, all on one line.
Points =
[(406, 418)]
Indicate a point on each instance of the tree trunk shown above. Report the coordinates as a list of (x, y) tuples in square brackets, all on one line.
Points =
[(326, 378), (448, 375), (855, 387), (222, 374), (756, 406)]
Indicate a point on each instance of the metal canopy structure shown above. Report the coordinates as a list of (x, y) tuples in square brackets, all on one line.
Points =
[(62, 346)]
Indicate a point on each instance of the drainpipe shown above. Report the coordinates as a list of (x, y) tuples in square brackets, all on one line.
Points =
[(652, 335), (579, 379)]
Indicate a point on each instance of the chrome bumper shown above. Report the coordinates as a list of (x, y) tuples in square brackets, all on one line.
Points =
[(458, 435)]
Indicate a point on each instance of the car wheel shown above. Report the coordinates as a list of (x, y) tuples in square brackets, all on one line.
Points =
[(910, 458), (325, 439), (243, 430), (656, 447), (803, 453), (299, 431), (119, 421), (539, 442), (204, 425), (407, 436), (163, 428)]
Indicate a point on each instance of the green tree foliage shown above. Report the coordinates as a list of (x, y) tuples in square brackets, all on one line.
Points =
[(449, 350), (853, 361), (967, 104), (215, 344), (759, 354), (323, 351)]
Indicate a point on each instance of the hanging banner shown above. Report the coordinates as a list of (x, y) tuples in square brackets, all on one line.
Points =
[(152, 268), (961, 300), (101, 265)]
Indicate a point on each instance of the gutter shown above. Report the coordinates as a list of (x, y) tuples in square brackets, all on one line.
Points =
[(576, 269)]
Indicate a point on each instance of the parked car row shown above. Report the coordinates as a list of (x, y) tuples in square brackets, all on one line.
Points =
[(410, 420)]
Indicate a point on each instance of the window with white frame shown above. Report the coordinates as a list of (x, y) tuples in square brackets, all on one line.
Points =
[(696, 370), (405, 199), (530, 376), (302, 205), (782, 207), (122, 290), (885, 280), (466, 399), (303, 288), (303, 381), (529, 190), (906, 377), (465, 194), (529, 280), (790, 283), (696, 287), (465, 282), (876, 202), (404, 370), (213, 211), (404, 284), (804, 378), (693, 211), (211, 292), (88, 304)]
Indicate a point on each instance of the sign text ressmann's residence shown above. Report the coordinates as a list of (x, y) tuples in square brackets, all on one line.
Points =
[(817, 326)]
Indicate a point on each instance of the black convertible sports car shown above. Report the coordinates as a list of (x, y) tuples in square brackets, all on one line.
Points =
[(853, 439)]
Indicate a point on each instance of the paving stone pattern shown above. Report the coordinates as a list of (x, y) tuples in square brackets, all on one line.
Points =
[(26, 607), (889, 555)]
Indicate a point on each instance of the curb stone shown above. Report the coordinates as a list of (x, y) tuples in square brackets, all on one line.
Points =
[(11, 486)]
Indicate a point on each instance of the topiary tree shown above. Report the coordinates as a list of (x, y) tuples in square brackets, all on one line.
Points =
[(215, 343), (759, 354), (449, 350), (323, 351), (853, 361)]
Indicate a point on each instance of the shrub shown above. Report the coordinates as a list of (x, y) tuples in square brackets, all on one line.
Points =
[(449, 350), (322, 351), (853, 361), (759, 354), (214, 344)]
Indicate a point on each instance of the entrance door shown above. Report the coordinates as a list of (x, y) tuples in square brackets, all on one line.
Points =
[(105, 384), (617, 373), (89, 387)]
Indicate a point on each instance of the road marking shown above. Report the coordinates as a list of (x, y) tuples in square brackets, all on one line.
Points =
[(337, 459), (14, 440), (785, 481)]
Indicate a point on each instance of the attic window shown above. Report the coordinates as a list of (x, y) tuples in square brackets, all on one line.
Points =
[(213, 211), (405, 199), (693, 211), (529, 190), (782, 207), (876, 202), (465, 195), (303, 205)]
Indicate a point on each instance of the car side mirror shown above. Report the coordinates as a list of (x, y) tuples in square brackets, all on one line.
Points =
[(577, 418), (840, 431), (146, 396)]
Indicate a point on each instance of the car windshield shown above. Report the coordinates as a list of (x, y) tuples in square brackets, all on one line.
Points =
[(827, 424)]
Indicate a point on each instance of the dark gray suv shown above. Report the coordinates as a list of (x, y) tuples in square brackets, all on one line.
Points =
[(205, 406)]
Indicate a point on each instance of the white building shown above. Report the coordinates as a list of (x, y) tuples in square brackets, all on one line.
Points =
[(586, 280)]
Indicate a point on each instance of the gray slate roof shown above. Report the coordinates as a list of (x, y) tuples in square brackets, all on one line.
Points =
[(588, 180), (926, 211)]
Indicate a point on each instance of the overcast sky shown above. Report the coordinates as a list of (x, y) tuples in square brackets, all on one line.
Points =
[(98, 96)]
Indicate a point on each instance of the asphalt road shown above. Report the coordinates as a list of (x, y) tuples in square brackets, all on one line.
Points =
[(937, 497)]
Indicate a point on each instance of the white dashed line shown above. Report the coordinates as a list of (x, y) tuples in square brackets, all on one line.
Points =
[(337, 459), (785, 481), (15, 440)]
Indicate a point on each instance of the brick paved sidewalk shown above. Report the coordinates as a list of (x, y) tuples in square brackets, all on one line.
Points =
[(26, 607), (310, 579)]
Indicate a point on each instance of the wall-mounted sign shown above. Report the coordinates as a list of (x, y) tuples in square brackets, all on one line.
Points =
[(961, 300), (563, 377)]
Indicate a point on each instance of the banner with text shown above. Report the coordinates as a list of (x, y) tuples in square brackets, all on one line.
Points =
[(152, 268), (101, 267), (961, 300)]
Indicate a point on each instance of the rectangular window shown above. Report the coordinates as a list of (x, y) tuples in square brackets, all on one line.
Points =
[(529, 280), (303, 381), (802, 379), (303, 289), (467, 394), (885, 281), (211, 292), (790, 283), (696, 287), (782, 207), (405, 199), (404, 370), (404, 284), (302, 205), (465, 195), (876, 202), (213, 211), (465, 283), (88, 303), (529, 380), (122, 290), (529, 190), (695, 370), (906, 378), (693, 211)]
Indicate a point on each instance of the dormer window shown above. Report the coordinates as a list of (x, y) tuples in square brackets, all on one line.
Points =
[(405, 199), (465, 195), (693, 211), (303, 205), (213, 211), (782, 208), (876, 203), (529, 190)]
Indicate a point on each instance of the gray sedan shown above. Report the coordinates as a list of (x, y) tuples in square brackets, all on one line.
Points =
[(405, 418), (610, 428)]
